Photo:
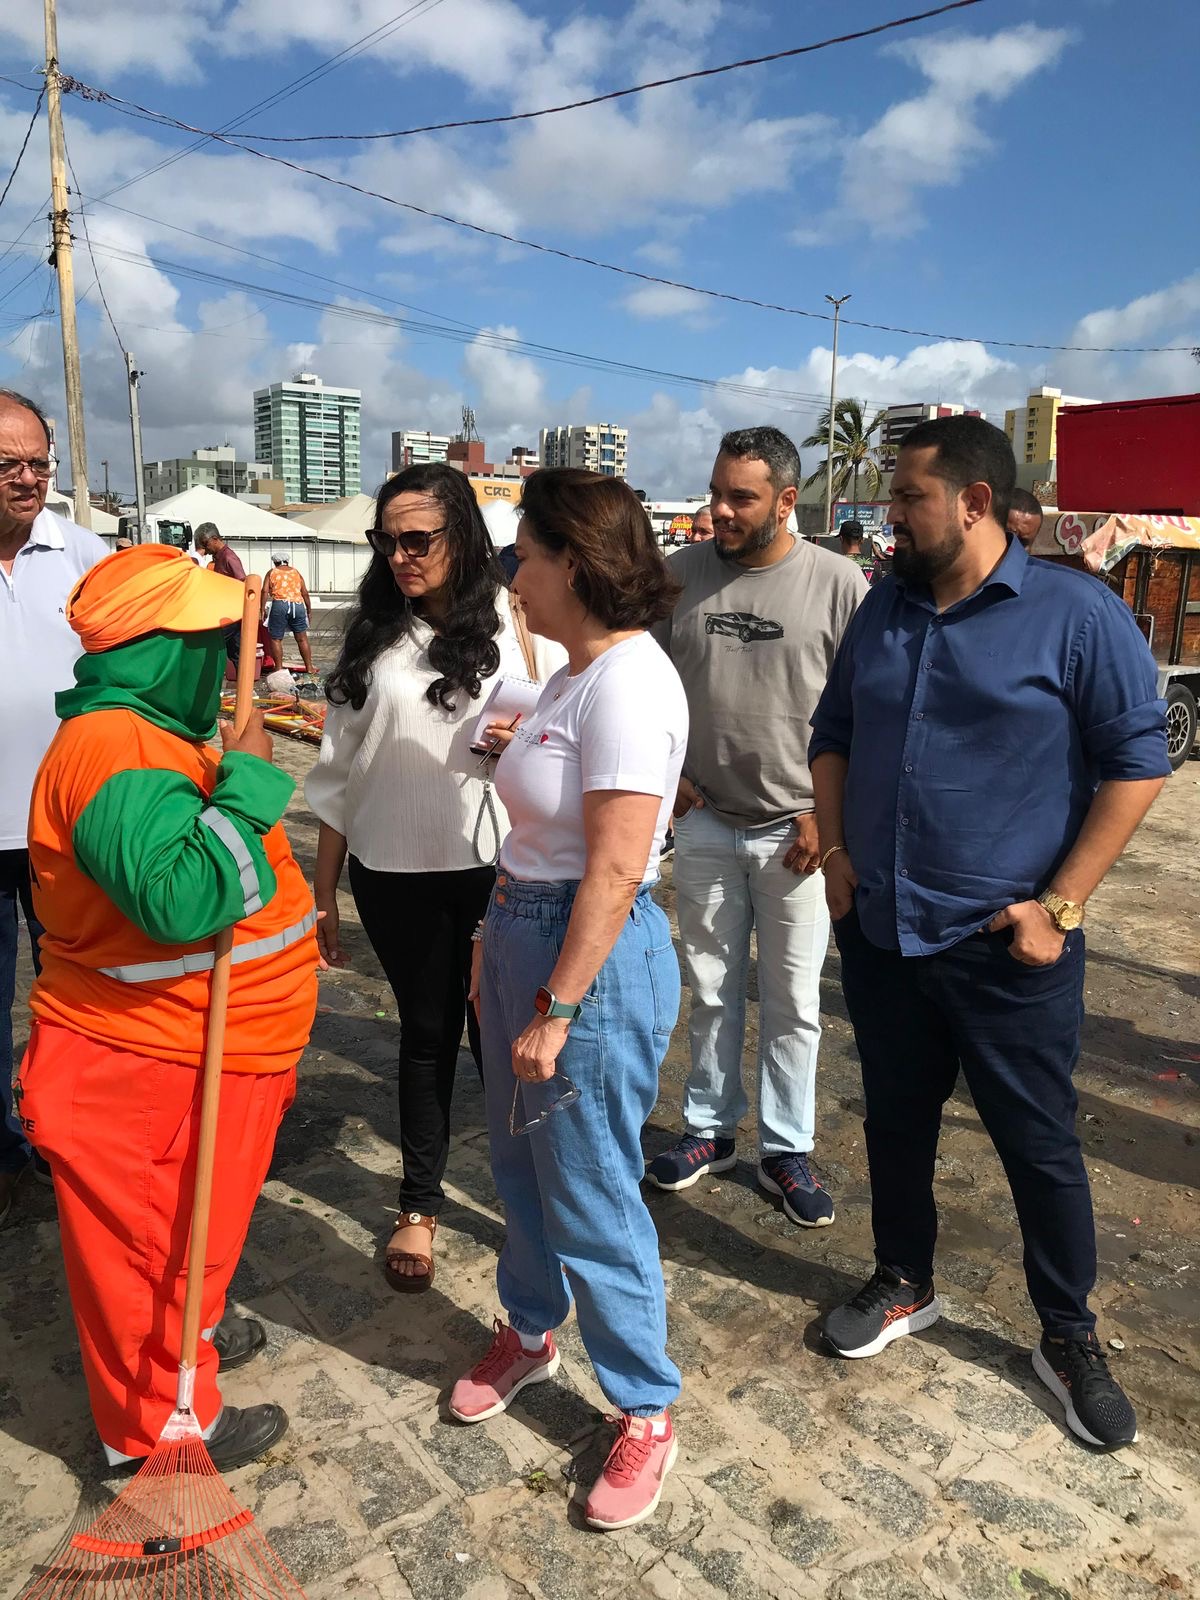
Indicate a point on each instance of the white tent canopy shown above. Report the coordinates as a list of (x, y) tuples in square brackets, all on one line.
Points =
[(340, 519), (331, 563)]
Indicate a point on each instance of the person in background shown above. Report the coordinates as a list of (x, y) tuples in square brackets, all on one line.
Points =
[(145, 842), (398, 788), (701, 530), (227, 563), (753, 636), (850, 535), (1024, 516), (989, 739), (577, 981), (42, 557), (287, 609)]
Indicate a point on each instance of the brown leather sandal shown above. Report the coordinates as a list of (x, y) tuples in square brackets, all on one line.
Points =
[(402, 1282)]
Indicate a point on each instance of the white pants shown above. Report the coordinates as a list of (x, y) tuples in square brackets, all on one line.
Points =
[(729, 881)]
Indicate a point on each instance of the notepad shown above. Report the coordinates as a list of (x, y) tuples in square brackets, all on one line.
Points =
[(510, 700)]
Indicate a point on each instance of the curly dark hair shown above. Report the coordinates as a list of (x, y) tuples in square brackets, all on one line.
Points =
[(463, 649), (620, 576)]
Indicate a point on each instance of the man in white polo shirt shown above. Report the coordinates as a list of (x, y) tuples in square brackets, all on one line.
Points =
[(42, 557)]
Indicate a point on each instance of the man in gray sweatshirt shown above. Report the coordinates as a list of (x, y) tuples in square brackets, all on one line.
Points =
[(753, 637)]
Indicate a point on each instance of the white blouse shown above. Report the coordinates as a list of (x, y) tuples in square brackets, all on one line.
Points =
[(398, 779)]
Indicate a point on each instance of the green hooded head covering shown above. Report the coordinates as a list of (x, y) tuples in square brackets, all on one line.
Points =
[(171, 679)]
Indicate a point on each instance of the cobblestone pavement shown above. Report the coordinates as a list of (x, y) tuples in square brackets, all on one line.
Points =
[(938, 1469)]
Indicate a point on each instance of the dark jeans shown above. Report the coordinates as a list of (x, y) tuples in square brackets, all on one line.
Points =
[(233, 641), (1014, 1032), (14, 890), (420, 925)]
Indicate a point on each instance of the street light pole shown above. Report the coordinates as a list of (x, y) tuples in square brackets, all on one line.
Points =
[(837, 311)]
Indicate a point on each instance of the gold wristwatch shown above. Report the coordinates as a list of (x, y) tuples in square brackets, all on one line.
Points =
[(1064, 914)]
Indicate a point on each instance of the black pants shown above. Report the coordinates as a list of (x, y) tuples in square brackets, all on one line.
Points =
[(420, 925), (1014, 1032), (233, 641)]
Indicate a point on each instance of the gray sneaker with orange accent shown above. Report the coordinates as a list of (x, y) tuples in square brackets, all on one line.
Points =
[(885, 1308)]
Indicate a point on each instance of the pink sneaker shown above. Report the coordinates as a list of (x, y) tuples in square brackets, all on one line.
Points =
[(628, 1489), (502, 1374)]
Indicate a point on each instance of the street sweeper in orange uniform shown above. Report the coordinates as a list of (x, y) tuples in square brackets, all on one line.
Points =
[(144, 843)]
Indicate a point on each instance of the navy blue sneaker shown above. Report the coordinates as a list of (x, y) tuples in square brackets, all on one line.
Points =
[(804, 1200), (687, 1161)]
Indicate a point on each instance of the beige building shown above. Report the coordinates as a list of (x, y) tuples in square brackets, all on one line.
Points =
[(594, 446), (1033, 427)]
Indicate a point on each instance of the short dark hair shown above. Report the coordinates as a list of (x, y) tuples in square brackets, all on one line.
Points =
[(26, 404), (851, 532), (968, 450), (621, 576), (770, 446), (1027, 504)]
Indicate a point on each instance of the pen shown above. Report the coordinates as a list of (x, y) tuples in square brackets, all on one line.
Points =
[(488, 754)]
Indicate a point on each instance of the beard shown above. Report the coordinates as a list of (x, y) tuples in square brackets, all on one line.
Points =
[(915, 566), (757, 539)]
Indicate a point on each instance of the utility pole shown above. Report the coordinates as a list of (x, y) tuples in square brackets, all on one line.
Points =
[(837, 311), (107, 496), (135, 425), (61, 232)]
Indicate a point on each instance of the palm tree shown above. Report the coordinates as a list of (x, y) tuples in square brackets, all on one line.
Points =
[(854, 455)]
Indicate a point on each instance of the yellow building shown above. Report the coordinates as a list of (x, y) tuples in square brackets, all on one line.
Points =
[(1033, 427)]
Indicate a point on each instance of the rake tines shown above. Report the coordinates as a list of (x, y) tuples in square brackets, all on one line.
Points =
[(175, 1532)]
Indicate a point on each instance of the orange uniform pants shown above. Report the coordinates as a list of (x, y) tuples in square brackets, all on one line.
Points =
[(119, 1132)]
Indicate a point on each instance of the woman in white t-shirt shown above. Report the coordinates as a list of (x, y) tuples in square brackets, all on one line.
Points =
[(398, 787), (577, 979)]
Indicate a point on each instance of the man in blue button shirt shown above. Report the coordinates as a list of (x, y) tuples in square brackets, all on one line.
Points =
[(988, 741)]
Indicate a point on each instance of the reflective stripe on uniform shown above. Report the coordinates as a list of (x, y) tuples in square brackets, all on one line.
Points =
[(220, 824), (182, 966)]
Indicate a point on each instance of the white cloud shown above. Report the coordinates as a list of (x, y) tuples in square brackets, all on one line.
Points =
[(929, 140), (662, 300)]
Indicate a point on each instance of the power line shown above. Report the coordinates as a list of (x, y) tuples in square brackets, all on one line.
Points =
[(465, 335), (87, 239), (281, 266), (376, 36), (131, 108), (613, 94), (24, 144), (29, 88)]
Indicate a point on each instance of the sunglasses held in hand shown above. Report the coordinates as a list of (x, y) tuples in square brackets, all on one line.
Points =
[(567, 1096)]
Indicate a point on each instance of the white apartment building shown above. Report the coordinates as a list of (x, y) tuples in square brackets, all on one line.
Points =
[(311, 433), (899, 420), (413, 447), (594, 446)]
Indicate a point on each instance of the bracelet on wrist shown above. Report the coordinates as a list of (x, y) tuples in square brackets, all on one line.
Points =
[(833, 850), (477, 934)]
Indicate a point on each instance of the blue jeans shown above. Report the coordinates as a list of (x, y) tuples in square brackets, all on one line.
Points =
[(729, 881), (571, 1187), (1013, 1030), (14, 891)]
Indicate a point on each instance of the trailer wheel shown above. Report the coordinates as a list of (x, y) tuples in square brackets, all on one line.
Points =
[(1181, 724)]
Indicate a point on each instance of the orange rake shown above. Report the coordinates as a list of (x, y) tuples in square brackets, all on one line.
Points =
[(176, 1532)]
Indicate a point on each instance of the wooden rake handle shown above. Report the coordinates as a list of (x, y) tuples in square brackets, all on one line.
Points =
[(214, 1046)]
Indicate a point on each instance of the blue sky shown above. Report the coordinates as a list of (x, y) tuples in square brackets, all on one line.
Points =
[(1016, 171)]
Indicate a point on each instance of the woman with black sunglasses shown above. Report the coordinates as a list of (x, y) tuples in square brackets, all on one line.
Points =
[(398, 788)]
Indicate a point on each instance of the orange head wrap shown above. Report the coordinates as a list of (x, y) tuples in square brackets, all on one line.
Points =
[(150, 587)]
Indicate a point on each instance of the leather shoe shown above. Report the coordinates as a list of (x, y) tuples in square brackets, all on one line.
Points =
[(243, 1433), (237, 1340)]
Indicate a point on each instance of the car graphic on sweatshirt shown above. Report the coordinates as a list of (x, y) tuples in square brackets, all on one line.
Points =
[(744, 625)]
